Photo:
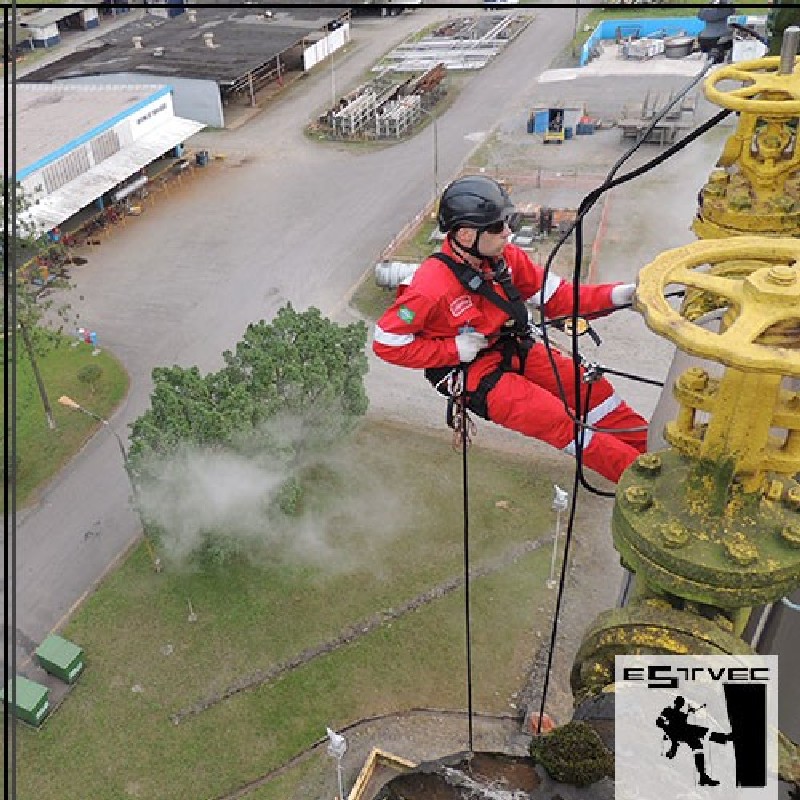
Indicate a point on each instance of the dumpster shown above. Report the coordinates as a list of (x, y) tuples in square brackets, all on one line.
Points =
[(60, 657), (31, 700)]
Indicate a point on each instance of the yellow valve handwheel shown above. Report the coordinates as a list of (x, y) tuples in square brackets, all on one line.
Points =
[(768, 296), (761, 77)]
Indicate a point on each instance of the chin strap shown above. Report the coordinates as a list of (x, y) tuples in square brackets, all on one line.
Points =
[(472, 250)]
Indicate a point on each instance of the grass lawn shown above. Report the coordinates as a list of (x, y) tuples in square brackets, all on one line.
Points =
[(398, 536), (43, 452)]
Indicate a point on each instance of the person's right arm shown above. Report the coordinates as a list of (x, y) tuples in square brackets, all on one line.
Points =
[(402, 334)]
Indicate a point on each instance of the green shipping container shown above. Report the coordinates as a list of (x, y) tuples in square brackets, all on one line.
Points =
[(60, 657), (31, 700)]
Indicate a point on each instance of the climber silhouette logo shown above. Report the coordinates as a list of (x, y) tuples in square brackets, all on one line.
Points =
[(695, 726)]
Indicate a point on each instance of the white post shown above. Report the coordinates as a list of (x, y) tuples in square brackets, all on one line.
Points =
[(560, 501), (337, 748)]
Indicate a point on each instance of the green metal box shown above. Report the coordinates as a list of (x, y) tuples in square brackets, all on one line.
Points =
[(31, 700), (60, 657)]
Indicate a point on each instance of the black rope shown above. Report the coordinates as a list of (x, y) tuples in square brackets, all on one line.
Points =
[(465, 486), (630, 376), (579, 433), (577, 417)]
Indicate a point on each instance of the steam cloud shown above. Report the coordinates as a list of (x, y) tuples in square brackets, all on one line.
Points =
[(198, 491)]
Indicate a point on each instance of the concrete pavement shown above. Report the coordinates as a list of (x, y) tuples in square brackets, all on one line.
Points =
[(297, 221)]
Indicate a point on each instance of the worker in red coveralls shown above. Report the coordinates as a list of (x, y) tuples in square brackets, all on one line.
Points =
[(466, 306)]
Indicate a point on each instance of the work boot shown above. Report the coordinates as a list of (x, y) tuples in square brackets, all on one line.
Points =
[(700, 763)]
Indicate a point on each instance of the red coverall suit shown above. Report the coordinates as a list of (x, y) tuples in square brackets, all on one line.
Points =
[(419, 331)]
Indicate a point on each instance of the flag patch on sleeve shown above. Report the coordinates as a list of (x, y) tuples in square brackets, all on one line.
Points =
[(406, 314)]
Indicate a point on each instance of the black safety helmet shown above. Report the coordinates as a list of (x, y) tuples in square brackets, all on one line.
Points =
[(473, 201)]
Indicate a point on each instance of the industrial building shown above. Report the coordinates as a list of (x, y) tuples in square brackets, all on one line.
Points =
[(210, 57), (78, 145)]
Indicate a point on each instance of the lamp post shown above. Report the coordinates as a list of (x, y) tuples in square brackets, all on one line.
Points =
[(68, 402), (337, 747), (560, 502), (435, 153)]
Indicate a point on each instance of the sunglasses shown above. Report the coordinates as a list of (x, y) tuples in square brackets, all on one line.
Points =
[(498, 227)]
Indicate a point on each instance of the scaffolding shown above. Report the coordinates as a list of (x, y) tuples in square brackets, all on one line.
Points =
[(396, 117), (355, 113)]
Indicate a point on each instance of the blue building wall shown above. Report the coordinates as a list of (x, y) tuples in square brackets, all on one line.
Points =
[(669, 26)]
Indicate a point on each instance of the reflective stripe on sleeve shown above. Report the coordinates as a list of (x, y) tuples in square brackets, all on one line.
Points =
[(392, 339), (544, 294), (572, 447), (603, 409)]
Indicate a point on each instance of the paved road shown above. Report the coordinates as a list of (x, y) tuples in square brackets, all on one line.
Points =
[(297, 222)]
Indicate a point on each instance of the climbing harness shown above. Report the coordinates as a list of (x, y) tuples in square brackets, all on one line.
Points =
[(463, 426)]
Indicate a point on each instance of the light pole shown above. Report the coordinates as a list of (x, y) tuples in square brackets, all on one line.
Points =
[(333, 74), (70, 403), (433, 119), (337, 747), (560, 502)]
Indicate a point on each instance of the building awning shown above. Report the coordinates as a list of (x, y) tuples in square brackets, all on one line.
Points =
[(48, 16), (73, 196)]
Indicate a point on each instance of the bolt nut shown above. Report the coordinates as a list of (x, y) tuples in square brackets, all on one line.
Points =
[(792, 498), (638, 498), (648, 463), (782, 275), (773, 490), (740, 202), (791, 535), (740, 550), (694, 379), (674, 535)]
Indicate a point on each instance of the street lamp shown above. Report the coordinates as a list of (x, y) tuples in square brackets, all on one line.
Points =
[(433, 118), (560, 502), (337, 747), (70, 403)]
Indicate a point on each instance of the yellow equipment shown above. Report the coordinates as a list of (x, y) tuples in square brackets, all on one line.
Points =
[(756, 188), (711, 526)]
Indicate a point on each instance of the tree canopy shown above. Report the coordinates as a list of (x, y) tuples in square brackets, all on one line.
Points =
[(289, 387)]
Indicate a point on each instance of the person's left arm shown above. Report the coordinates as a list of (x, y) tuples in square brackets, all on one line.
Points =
[(555, 294)]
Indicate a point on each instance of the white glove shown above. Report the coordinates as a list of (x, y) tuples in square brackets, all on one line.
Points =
[(469, 344), (622, 294)]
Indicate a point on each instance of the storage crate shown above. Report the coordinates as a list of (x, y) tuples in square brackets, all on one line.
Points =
[(60, 657), (31, 700)]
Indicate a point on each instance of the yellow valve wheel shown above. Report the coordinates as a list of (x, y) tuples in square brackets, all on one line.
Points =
[(761, 77), (768, 296)]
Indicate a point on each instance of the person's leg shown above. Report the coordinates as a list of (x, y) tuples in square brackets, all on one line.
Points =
[(606, 408), (700, 765), (519, 404)]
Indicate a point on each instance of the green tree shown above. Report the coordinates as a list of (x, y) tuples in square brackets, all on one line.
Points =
[(90, 375), (289, 387), (780, 17), (29, 307)]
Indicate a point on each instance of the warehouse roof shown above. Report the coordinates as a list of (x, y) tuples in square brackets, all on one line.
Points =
[(77, 109), (244, 39), (47, 16)]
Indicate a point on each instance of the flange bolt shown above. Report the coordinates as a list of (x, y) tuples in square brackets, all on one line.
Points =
[(648, 463), (791, 535), (638, 498)]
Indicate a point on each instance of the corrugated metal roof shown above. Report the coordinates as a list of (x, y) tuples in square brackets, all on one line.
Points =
[(62, 204), (47, 16), (244, 40)]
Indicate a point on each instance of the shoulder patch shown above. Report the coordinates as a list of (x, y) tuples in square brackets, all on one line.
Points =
[(406, 314), (461, 304)]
